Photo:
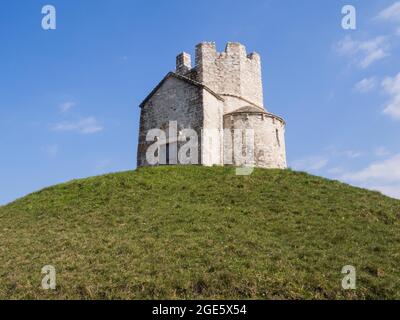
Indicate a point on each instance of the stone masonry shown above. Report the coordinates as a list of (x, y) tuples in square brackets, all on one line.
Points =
[(221, 96)]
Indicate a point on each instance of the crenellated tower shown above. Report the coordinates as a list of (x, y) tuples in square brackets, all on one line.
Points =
[(232, 73), (221, 93)]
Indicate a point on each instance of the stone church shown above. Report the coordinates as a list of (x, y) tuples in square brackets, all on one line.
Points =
[(222, 93)]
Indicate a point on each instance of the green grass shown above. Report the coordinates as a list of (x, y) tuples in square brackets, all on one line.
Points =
[(196, 232)]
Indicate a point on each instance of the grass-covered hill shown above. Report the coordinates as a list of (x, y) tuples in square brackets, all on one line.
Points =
[(195, 232)]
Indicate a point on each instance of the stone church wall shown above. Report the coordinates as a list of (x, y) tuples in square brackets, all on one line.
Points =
[(175, 100), (212, 148), (269, 139)]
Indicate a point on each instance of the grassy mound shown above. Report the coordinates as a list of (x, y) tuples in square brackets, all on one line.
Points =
[(195, 232)]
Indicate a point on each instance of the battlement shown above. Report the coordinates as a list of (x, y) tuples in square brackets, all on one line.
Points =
[(232, 49), (183, 63), (231, 72)]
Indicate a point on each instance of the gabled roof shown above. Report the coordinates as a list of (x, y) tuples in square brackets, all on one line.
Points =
[(183, 78)]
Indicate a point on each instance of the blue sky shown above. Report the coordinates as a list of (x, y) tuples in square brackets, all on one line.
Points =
[(69, 97)]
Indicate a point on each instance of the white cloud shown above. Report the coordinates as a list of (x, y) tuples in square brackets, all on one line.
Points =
[(336, 170), (365, 85), (351, 154), (382, 152), (392, 87), (50, 150), (382, 171), (66, 106), (316, 163), (365, 53), (390, 13), (382, 175), (85, 126), (313, 163), (390, 190)]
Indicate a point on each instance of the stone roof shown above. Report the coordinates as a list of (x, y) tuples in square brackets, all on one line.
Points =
[(183, 78), (248, 109), (254, 110)]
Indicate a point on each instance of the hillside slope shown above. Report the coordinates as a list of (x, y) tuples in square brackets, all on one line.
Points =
[(195, 232)]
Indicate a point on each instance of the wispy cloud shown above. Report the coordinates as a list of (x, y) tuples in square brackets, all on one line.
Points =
[(365, 85), (387, 170), (390, 13), (334, 153), (315, 163), (312, 163), (336, 170), (351, 154), (50, 150), (66, 106), (392, 88), (102, 166), (390, 190), (382, 151), (87, 125), (381, 175), (364, 53)]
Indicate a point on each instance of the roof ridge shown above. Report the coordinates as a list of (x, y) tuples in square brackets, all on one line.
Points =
[(181, 77), (255, 111)]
